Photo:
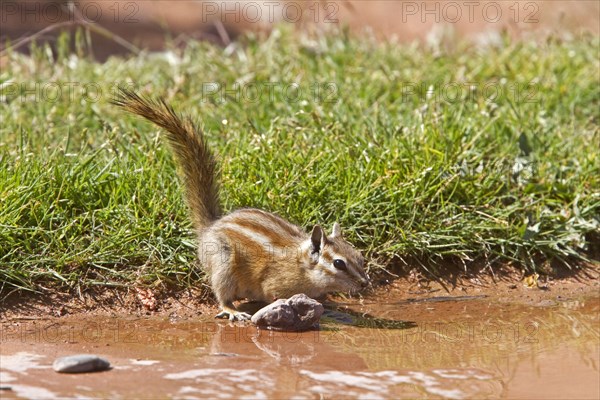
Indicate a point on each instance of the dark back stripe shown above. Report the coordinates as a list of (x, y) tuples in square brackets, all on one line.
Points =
[(277, 237), (290, 229)]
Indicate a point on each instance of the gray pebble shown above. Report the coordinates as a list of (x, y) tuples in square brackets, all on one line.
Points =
[(298, 313), (80, 363)]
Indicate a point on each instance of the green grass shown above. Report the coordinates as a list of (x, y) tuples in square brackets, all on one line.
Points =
[(89, 196)]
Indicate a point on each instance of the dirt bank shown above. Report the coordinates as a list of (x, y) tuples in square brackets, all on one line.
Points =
[(507, 285)]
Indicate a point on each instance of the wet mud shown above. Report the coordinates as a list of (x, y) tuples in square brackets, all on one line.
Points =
[(454, 347)]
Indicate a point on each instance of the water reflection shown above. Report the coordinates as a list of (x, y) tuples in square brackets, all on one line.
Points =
[(445, 349)]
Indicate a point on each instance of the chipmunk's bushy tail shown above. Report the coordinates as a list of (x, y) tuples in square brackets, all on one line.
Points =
[(197, 162)]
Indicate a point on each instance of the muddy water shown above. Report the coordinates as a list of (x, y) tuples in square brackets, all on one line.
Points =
[(442, 348)]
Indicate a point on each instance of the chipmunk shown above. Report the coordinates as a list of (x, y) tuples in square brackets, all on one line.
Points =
[(249, 253)]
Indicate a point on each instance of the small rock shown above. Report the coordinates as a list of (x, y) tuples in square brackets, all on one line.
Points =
[(298, 313), (147, 298), (80, 363)]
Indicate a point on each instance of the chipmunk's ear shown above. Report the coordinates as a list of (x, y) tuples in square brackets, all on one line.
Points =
[(337, 230), (317, 238)]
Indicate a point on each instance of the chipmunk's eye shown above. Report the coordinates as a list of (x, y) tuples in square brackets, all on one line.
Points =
[(339, 264)]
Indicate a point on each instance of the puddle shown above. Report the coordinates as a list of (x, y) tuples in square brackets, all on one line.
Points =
[(444, 348)]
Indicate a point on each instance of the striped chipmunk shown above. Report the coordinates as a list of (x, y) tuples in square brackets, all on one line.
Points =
[(248, 254)]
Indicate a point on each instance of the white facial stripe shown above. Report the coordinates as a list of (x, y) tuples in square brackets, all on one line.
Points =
[(351, 269)]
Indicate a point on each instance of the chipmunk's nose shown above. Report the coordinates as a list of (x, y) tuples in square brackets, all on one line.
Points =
[(364, 283)]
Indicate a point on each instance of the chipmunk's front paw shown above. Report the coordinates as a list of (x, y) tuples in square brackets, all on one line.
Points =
[(234, 315)]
